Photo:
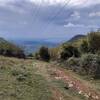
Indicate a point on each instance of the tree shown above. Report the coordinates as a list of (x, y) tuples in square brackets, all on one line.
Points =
[(44, 53)]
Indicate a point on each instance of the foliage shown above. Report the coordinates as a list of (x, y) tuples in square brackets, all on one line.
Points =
[(36, 56), (54, 53), (44, 54), (73, 61), (84, 47), (68, 51), (11, 50), (94, 41), (90, 65)]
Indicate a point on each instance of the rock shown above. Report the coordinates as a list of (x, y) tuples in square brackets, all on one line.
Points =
[(86, 95), (70, 85), (58, 78), (80, 92), (97, 97)]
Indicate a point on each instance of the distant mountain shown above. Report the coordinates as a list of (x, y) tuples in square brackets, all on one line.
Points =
[(77, 37)]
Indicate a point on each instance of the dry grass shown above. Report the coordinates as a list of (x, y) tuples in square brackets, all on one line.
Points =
[(18, 81)]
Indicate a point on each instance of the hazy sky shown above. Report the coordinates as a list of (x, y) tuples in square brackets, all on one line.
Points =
[(53, 19)]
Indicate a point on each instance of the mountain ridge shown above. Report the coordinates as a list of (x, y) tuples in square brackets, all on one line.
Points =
[(76, 37)]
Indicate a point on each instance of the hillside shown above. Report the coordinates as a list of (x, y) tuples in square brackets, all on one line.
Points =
[(74, 75), (77, 37), (4, 44), (37, 80), (9, 49)]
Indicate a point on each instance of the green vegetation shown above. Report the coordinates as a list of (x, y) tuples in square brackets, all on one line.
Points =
[(90, 65), (10, 50), (82, 55), (68, 51), (43, 54), (94, 42), (19, 81), (24, 79), (84, 47)]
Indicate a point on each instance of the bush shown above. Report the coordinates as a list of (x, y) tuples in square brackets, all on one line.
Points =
[(73, 63), (44, 54), (84, 47), (67, 52), (94, 41), (36, 56), (54, 53), (90, 65), (11, 51)]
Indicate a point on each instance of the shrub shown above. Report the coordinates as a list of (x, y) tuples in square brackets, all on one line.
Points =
[(94, 41), (36, 56), (54, 53), (12, 51), (73, 63), (21, 75), (84, 47), (44, 54), (67, 52), (21, 78), (90, 65)]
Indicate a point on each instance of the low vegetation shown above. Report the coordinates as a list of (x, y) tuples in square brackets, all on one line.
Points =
[(10, 50), (81, 55), (43, 54), (29, 79), (19, 81)]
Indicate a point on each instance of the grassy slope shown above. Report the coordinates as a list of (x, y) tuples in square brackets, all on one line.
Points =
[(34, 80), (58, 87), (18, 81)]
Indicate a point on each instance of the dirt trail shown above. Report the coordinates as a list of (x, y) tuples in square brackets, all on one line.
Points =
[(77, 85), (71, 81)]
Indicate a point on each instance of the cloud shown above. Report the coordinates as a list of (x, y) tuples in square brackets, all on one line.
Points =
[(23, 17), (73, 25), (17, 6), (5, 2), (77, 3), (94, 14), (76, 15), (80, 26)]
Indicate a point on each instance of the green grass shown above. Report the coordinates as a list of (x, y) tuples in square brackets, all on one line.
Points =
[(31, 80), (18, 81)]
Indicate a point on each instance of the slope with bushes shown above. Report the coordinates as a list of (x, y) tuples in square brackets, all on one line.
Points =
[(9, 49), (81, 55)]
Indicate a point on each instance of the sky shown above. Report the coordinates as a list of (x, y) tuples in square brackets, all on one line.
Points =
[(48, 19)]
